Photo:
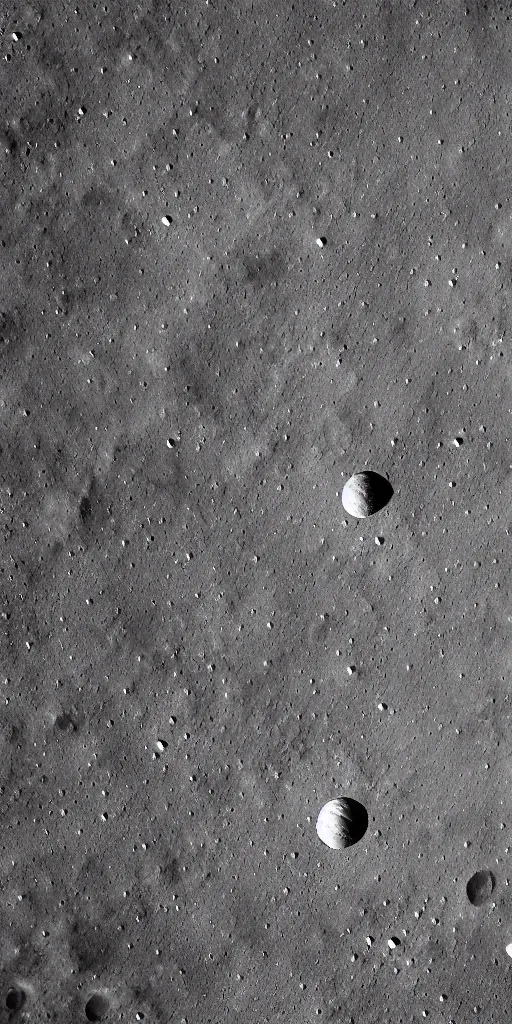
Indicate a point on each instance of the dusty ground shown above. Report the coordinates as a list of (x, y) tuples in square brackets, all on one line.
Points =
[(182, 592)]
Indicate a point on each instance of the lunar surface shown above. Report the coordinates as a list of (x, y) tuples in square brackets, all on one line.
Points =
[(247, 251)]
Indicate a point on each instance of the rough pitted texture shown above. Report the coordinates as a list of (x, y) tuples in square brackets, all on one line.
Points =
[(198, 648)]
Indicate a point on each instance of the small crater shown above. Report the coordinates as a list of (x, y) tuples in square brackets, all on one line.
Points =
[(171, 873), (8, 142), (90, 945), (342, 822), (10, 327), (85, 507), (480, 887), (366, 493), (66, 723), (264, 269), (15, 998), (97, 1007)]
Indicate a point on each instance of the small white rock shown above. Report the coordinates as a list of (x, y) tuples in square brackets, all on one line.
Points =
[(320, 242), (509, 949), (166, 221)]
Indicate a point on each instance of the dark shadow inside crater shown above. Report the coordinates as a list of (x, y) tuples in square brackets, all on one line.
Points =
[(356, 818), (15, 999), (480, 887), (97, 1007), (380, 491)]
